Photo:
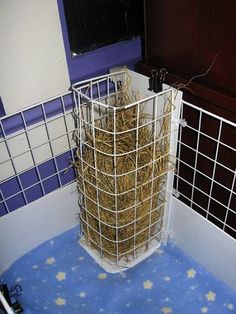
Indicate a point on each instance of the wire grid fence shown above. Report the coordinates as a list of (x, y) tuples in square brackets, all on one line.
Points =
[(206, 166), (123, 161), (32, 142)]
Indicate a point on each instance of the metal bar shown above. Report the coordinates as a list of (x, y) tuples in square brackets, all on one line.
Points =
[(196, 157), (5, 304)]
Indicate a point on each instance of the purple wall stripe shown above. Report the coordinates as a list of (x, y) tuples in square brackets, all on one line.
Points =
[(32, 186)]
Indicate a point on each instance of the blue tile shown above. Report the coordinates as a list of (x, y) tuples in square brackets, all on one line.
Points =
[(3, 210), (68, 176), (12, 124), (64, 160), (29, 178), (68, 102), (10, 187), (47, 169), (33, 115), (15, 202), (74, 156), (33, 193), (51, 184), (53, 108)]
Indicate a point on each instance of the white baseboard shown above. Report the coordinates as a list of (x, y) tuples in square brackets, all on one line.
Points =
[(37, 222), (205, 242)]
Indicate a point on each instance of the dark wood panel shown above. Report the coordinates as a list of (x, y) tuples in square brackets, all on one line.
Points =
[(184, 36), (205, 97)]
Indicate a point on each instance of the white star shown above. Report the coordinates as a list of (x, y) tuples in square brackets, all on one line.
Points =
[(166, 310), (82, 294), (230, 306), (191, 273), (210, 296), (204, 309), (167, 278), (50, 260), (35, 266), (147, 284), (19, 279), (102, 276), (60, 301), (61, 276), (81, 258)]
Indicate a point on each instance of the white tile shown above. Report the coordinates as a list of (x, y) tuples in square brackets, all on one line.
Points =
[(38, 136), (6, 170), (60, 145), (3, 152), (23, 162), (18, 144), (70, 123), (42, 153), (56, 128)]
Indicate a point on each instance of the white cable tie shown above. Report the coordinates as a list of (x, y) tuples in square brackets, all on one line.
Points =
[(183, 123), (175, 193)]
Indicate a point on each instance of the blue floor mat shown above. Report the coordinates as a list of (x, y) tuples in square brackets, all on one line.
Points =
[(60, 277)]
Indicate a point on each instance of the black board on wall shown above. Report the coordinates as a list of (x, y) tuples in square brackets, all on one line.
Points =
[(93, 24)]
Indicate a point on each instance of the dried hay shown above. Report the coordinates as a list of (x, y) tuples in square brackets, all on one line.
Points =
[(123, 197)]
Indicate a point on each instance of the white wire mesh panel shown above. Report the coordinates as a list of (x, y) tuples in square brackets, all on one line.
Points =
[(206, 175), (123, 160)]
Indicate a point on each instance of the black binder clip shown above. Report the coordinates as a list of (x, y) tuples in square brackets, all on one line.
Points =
[(156, 80), (152, 80)]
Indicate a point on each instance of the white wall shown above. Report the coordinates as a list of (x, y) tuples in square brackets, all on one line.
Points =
[(25, 228), (32, 57)]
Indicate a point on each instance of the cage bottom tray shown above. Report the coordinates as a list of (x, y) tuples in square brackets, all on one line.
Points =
[(60, 277)]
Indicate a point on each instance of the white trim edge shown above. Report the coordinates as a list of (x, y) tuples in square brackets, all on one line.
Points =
[(205, 242)]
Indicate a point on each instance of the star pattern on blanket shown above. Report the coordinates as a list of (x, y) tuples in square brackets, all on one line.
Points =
[(166, 310), (230, 306), (102, 276), (147, 284), (61, 276), (50, 261), (211, 296), (82, 294), (191, 273), (74, 283), (60, 301)]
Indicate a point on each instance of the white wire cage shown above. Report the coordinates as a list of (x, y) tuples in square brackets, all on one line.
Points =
[(122, 169), (206, 161)]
